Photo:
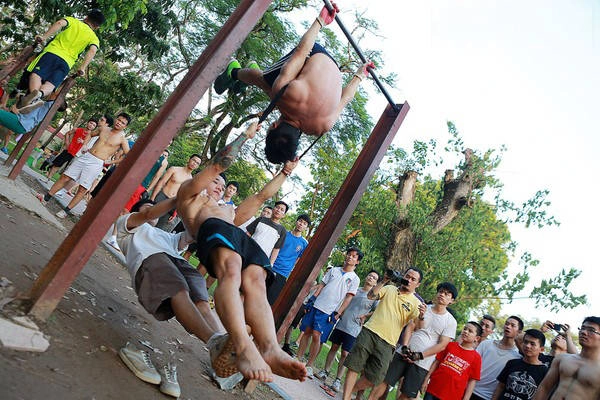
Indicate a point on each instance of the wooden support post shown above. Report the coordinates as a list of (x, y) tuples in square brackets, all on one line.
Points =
[(18, 63), (314, 257), (77, 248), (37, 134), (16, 150)]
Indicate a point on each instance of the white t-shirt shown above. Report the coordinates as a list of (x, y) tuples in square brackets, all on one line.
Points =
[(493, 360), (435, 325), (139, 243), (337, 284)]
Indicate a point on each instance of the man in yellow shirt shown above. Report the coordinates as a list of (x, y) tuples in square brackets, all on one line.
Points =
[(53, 64), (375, 344)]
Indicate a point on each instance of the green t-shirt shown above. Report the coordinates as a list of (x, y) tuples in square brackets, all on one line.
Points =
[(69, 43)]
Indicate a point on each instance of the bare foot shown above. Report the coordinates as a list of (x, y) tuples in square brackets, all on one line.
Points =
[(252, 366), (284, 365)]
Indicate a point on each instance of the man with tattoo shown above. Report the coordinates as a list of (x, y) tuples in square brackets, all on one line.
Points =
[(239, 265)]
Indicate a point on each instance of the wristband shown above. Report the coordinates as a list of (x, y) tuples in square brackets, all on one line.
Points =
[(360, 78), (320, 21), (285, 173)]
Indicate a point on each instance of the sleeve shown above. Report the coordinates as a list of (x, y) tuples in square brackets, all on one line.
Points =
[(415, 311), (69, 21), (504, 373), (282, 234), (327, 276), (304, 246), (175, 242), (383, 291), (251, 228), (450, 328), (122, 225), (442, 354), (475, 370), (354, 285)]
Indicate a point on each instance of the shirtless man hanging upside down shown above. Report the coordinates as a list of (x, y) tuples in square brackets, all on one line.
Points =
[(239, 265)]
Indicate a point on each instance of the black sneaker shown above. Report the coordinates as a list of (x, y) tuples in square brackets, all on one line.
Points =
[(288, 350), (225, 81)]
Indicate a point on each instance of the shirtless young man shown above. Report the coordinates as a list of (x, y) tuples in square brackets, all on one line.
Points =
[(576, 376), (85, 168), (169, 184), (314, 97), (239, 265)]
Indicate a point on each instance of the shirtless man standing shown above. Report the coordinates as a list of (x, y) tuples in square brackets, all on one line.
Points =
[(313, 97), (85, 168), (239, 265), (576, 376), (169, 184)]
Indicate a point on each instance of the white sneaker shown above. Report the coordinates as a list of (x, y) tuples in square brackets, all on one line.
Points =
[(309, 372), (138, 361), (322, 375), (336, 385), (62, 214), (113, 242), (39, 196), (169, 384)]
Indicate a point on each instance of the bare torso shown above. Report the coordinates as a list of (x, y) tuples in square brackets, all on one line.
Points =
[(579, 378), (180, 175), (194, 211), (312, 99), (108, 143)]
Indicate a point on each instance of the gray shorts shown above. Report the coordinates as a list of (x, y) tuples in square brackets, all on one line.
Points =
[(412, 373), (370, 355), (161, 277)]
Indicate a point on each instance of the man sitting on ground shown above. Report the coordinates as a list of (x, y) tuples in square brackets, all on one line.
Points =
[(239, 265), (313, 97)]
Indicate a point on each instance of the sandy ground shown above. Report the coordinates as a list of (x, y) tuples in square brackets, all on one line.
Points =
[(96, 317)]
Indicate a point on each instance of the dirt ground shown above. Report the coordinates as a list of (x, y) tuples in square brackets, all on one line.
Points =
[(96, 317)]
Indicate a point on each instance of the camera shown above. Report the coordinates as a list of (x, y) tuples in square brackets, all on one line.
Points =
[(395, 276), (559, 328)]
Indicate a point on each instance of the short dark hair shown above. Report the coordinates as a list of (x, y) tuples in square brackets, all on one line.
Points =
[(304, 217), (357, 250), (449, 287), (96, 17), (136, 207), (195, 155), (93, 120), (222, 175), (284, 203), (478, 327), (536, 334), (417, 270), (489, 318), (519, 320), (379, 277), (592, 319), (109, 120), (126, 116), (63, 107), (167, 150), (269, 207), (281, 143), (233, 183)]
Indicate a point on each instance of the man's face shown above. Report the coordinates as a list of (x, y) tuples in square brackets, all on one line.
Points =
[(193, 163), (120, 123), (412, 277), (267, 212), (531, 346), (102, 122), (301, 225), (165, 154), (279, 211), (372, 278), (511, 328), (351, 259), (91, 125), (488, 327), (589, 335), (230, 191), (444, 297), (559, 343), (216, 188)]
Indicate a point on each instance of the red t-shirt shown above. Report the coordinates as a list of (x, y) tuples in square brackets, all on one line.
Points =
[(77, 142), (457, 366)]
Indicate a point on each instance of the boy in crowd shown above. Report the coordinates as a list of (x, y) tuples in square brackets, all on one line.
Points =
[(494, 356), (488, 324), (456, 369), (576, 376), (268, 232), (348, 328), (292, 249), (339, 285), (74, 140), (230, 190), (428, 336), (520, 378)]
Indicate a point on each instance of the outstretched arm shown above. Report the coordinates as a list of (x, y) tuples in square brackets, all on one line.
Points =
[(294, 64), (219, 163), (158, 175), (88, 58), (55, 27), (252, 204), (350, 90), (150, 213)]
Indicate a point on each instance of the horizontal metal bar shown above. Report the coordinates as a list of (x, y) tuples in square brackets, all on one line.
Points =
[(362, 57)]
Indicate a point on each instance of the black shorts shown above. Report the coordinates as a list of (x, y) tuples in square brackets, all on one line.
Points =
[(51, 68), (215, 232), (63, 158), (271, 73), (276, 287), (342, 338)]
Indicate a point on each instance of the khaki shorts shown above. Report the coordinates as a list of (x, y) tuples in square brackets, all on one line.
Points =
[(370, 355)]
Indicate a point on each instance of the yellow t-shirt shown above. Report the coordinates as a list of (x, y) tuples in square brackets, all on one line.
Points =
[(69, 43), (394, 311)]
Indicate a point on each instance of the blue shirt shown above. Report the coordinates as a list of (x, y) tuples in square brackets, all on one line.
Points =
[(32, 119), (292, 248)]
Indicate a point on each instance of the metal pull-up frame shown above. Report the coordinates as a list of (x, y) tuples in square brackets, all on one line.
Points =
[(362, 58)]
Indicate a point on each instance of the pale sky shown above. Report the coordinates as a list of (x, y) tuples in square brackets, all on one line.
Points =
[(520, 73)]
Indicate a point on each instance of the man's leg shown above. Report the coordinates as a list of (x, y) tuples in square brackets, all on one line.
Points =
[(378, 391), (315, 346), (260, 318), (227, 266), (210, 317), (341, 368), (59, 184), (254, 77), (35, 82), (331, 355), (81, 191), (303, 342), (189, 316), (52, 171), (351, 385)]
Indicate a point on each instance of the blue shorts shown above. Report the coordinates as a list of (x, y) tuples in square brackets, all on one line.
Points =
[(51, 68), (345, 339), (271, 73), (318, 321)]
